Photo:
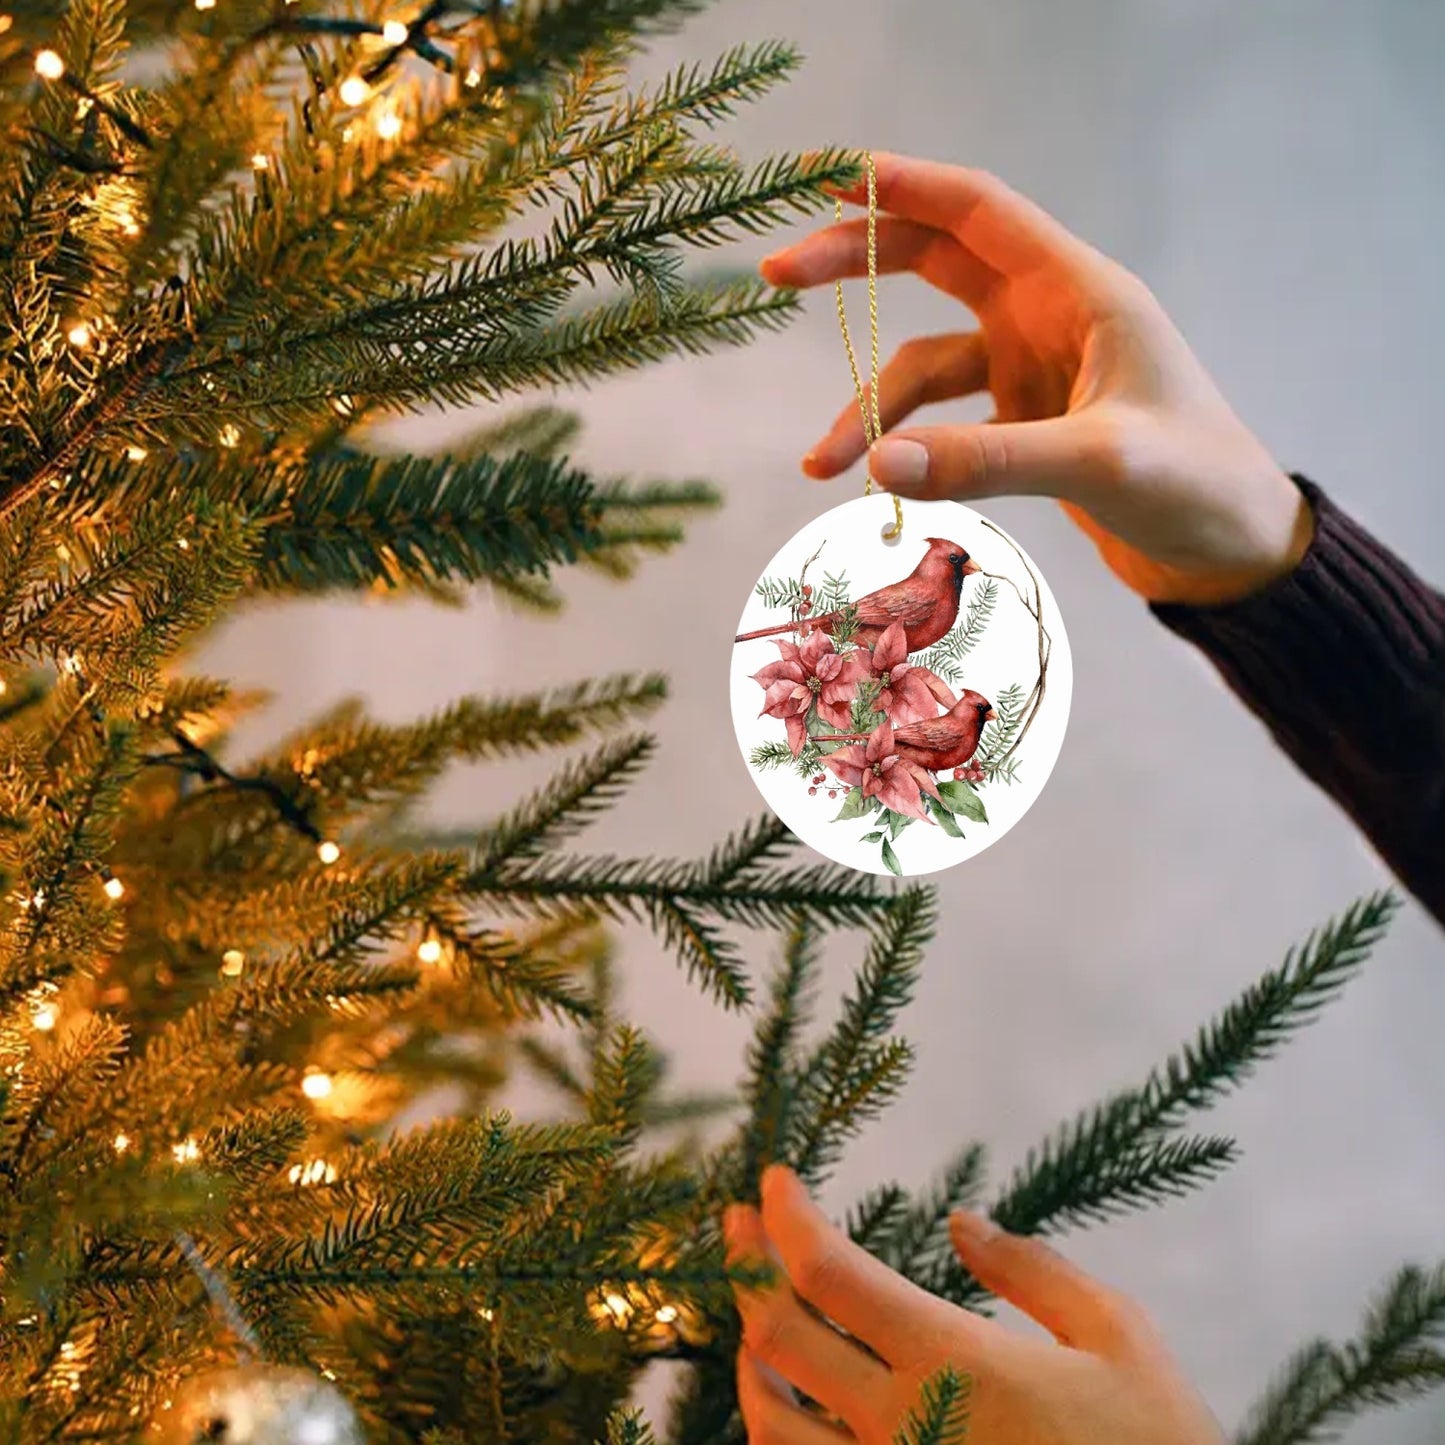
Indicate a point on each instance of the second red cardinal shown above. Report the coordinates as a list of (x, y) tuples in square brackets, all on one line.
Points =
[(947, 741), (925, 602)]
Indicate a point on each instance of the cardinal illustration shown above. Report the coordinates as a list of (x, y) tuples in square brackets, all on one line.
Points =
[(940, 743), (925, 602)]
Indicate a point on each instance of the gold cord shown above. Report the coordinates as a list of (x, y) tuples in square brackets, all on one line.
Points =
[(872, 426)]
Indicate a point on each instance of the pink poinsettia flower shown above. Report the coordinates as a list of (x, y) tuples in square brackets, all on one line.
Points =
[(908, 693), (877, 769), (808, 672)]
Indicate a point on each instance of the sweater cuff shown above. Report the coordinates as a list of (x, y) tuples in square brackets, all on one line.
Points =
[(1351, 627)]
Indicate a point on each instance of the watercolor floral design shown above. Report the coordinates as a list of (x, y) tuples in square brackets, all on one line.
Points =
[(897, 735)]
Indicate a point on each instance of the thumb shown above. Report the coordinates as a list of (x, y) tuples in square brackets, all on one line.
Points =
[(1052, 458), (1075, 1308)]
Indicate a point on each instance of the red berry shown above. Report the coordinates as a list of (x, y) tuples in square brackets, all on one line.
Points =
[(820, 778), (832, 792), (807, 589), (811, 791), (804, 608)]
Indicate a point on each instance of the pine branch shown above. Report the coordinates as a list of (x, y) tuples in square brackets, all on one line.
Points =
[(1266, 1015), (856, 1070), (1394, 1359), (566, 804), (1078, 1164)]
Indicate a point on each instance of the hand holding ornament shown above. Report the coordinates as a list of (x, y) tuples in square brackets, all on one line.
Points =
[(1098, 399)]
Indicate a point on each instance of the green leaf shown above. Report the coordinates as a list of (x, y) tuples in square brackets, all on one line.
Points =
[(854, 806), (890, 859), (960, 797), (897, 822), (874, 837), (944, 819)]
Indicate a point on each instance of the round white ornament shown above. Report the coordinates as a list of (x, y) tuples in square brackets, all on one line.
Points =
[(900, 704)]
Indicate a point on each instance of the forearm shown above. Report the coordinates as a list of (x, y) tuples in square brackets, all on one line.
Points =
[(1344, 661)]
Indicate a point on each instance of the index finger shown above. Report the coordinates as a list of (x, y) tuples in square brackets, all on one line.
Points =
[(890, 1314), (1002, 228)]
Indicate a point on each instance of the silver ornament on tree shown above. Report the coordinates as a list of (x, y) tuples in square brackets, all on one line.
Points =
[(252, 1402), (260, 1404)]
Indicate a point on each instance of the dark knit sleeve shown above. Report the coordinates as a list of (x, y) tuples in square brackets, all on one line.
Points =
[(1344, 661)]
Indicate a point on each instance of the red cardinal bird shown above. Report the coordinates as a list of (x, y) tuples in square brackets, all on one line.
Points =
[(925, 602), (940, 743)]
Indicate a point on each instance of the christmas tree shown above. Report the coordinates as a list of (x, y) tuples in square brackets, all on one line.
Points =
[(232, 235)]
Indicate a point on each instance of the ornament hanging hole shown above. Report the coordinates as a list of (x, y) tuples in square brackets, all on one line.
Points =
[(891, 534)]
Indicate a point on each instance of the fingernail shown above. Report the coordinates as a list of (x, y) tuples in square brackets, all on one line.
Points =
[(898, 462), (974, 1228)]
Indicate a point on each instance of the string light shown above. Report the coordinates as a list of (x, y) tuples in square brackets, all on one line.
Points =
[(328, 851), (128, 223), (394, 32), (48, 65), (354, 91), (229, 435), (429, 950), (121, 1143), (388, 125), (316, 1085), (183, 544), (4, 687), (114, 888), (343, 405), (260, 161), (79, 335), (134, 453), (186, 1152), (70, 663), (44, 1017), (667, 1314), (205, 4), (232, 962), (473, 79), (313, 1171), (618, 1307)]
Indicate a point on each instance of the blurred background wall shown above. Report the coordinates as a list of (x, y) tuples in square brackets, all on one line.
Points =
[(1276, 172)]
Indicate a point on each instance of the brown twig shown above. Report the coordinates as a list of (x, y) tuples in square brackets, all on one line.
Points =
[(1035, 699)]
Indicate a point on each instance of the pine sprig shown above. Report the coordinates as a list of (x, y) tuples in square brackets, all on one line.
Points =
[(941, 1415), (946, 656), (1395, 1358)]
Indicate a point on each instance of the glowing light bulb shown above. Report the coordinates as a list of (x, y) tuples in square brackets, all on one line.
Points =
[(186, 1152), (79, 335), (316, 1086), (229, 435), (473, 79), (121, 1143), (394, 32), (429, 950), (114, 889), (388, 125), (134, 453), (667, 1314), (44, 1017), (48, 65), (128, 223), (342, 405), (328, 852), (232, 962), (205, 4), (183, 544), (487, 1313), (4, 687), (313, 1171), (354, 91), (619, 1307), (260, 161)]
